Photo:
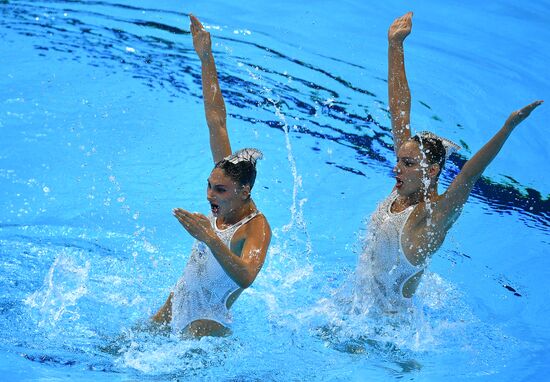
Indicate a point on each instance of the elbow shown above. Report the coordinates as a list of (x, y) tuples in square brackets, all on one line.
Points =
[(244, 285), (246, 281), (215, 120)]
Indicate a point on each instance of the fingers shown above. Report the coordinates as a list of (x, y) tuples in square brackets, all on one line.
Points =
[(195, 24), (182, 215), (529, 108), (185, 213), (520, 115), (197, 225), (407, 17), (535, 104), (401, 27), (188, 218)]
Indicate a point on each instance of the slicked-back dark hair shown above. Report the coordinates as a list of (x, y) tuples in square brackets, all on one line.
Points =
[(434, 150), (243, 172)]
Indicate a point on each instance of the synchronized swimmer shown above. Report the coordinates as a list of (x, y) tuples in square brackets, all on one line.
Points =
[(231, 244), (410, 225), (406, 229)]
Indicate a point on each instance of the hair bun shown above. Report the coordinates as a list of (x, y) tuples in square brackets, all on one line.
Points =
[(248, 154), (450, 146)]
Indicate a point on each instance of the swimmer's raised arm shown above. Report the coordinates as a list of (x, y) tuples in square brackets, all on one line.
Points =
[(398, 87), (449, 206), (244, 269), (214, 105)]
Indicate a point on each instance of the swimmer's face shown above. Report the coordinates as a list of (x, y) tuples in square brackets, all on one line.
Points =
[(409, 174), (224, 194)]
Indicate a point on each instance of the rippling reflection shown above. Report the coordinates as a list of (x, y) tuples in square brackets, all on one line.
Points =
[(122, 37), (75, 283)]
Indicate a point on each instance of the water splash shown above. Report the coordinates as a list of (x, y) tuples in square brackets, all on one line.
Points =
[(424, 165), (64, 284), (440, 319), (154, 354)]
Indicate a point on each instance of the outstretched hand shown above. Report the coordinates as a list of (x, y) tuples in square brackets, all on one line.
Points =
[(196, 224), (520, 115), (400, 28), (201, 38)]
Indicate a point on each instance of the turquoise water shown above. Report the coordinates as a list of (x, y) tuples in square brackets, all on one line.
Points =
[(103, 134)]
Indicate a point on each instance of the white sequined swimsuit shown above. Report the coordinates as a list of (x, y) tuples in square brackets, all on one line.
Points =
[(203, 289), (383, 269)]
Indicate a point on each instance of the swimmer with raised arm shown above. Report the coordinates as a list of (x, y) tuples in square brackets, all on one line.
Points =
[(410, 225), (231, 244)]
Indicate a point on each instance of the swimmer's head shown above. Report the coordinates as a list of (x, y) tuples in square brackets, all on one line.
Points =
[(231, 181), (436, 149), (419, 163), (433, 150), (241, 166)]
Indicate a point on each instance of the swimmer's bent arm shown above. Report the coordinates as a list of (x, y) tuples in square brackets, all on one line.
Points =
[(450, 204), (398, 88), (244, 269), (214, 105)]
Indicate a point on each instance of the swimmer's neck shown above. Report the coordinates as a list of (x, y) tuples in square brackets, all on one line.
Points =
[(405, 201), (233, 217)]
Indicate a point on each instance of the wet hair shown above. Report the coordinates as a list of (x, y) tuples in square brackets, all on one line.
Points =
[(433, 148), (243, 172)]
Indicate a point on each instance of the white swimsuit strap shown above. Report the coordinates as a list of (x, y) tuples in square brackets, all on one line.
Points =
[(247, 219), (236, 225)]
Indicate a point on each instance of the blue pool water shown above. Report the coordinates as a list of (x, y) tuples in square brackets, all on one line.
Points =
[(103, 133)]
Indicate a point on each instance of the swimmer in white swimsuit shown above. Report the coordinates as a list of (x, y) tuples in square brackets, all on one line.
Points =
[(383, 268), (205, 291), (232, 243), (411, 225)]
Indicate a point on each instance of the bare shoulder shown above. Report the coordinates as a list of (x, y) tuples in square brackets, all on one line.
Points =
[(259, 225), (256, 228)]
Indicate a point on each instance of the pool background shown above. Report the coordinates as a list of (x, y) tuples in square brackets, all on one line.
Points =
[(103, 134)]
